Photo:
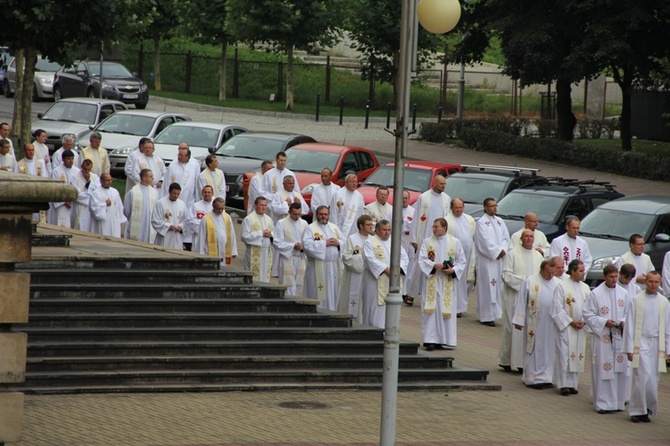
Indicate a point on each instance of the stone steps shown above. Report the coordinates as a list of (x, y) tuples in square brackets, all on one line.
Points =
[(159, 276), (169, 290)]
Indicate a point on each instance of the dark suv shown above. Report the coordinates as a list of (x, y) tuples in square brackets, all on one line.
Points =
[(478, 182), (553, 201)]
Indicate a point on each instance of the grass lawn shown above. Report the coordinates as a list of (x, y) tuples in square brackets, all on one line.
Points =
[(639, 145), (120, 185)]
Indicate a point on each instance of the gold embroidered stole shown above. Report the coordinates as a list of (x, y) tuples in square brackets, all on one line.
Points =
[(23, 167), (212, 245), (256, 252), (88, 153), (431, 282), (639, 312), (283, 195), (534, 287), (136, 212), (379, 251), (319, 265), (290, 278), (576, 338), (213, 179)]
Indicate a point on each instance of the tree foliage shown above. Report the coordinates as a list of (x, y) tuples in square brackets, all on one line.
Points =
[(286, 25), (374, 26)]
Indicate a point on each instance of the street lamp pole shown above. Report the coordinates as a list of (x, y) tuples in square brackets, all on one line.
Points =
[(439, 16)]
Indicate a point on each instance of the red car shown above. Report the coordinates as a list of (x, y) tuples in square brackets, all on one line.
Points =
[(308, 159), (419, 177)]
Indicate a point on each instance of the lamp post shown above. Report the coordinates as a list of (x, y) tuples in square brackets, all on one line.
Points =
[(437, 16)]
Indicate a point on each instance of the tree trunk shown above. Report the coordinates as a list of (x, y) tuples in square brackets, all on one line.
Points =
[(157, 61), (222, 70), (566, 120), (626, 85), (26, 100), (18, 87), (289, 78)]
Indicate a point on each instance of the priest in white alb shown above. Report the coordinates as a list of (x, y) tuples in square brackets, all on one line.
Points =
[(212, 176), (273, 178), (87, 182), (347, 205), (568, 313), (430, 205), (60, 213), (380, 209), (67, 141), (131, 161), (407, 218), (7, 160), (168, 219), (288, 245), (492, 243), (570, 246), (637, 257), (96, 154), (216, 234), (255, 184), (147, 160), (137, 207), (349, 300), (322, 193), (197, 211), (519, 264), (462, 226), (30, 164), (106, 208), (647, 345), (184, 171), (443, 263), (257, 233), (605, 315), (377, 275), (322, 242), (533, 312), (41, 149), (540, 243)]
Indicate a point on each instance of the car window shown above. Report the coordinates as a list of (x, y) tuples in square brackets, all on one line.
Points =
[(310, 161), (597, 201), (349, 164), (106, 111), (81, 67), (473, 190), (46, 65), (72, 112), (109, 69), (663, 226), (619, 224), (165, 122), (227, 135), (366, 161), (238, 131), (578, 206), (127, 125), (251, 147), (180, 118), (193, 136), (546, 207)]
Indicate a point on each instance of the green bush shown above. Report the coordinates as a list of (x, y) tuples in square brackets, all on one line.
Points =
[(454, 128), (633, 164)]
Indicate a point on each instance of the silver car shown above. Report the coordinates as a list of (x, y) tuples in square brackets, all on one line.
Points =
[(202, 137), (42, 84), (122, 131)]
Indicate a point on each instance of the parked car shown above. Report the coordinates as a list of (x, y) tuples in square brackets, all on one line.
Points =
[(419, 176), (308, 160), (42, 84), (74, 116), (244, 153), (478, 182), (608, 228), (5, 57), (122, 131), (202, 137), (83, 79), (553, 201)]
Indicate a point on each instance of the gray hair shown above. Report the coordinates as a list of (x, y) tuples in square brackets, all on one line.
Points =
[(351, 175), (95, 135), (68, 138)]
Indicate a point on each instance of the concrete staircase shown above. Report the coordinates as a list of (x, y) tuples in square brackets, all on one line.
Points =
[(134, 325)]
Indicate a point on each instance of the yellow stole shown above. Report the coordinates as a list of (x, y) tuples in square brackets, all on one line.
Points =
[(431, 283), (535, 284), (212, 246), (213, 180), (136, 212), (23, 167), (639, 312), (256, 254), (319, 265), (576, 338)]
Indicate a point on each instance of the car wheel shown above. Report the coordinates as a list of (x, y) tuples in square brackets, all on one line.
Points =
[(6, 90), (91, 93), (141, 106), (58, 95)]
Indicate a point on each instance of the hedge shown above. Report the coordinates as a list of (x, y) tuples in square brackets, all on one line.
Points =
[(505, 140)]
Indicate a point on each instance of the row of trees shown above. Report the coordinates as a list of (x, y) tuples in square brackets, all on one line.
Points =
[(552, 40)]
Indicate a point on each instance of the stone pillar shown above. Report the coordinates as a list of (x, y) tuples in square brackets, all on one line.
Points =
[(22, 195)]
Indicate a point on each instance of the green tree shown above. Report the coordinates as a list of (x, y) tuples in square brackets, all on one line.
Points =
[(47, 27), (205, 22), (165, 20), (287, 25), (374, 26)]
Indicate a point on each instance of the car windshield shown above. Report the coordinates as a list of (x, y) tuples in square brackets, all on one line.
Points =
[(109, 70), (417, 180), (310, 161), (547, 207), (474, 190), (617, 224), (72, 112), (46, 65), (251, 147), (127, 125), (193, 136)]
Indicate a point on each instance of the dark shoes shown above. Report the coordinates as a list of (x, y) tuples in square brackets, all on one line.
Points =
[(409, 301), (539, 386), (505, 368), (573, 391), (565, 391), (429, 347), (640, 418), (459, 314), (604, 411), (489, 323)]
